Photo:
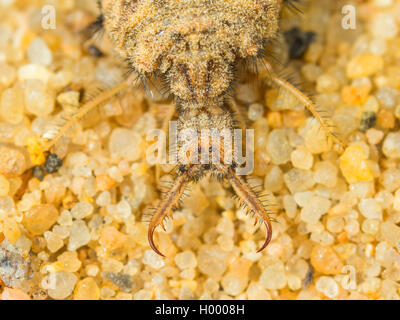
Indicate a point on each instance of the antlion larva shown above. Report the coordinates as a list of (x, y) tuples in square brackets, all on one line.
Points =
[(194, 47)]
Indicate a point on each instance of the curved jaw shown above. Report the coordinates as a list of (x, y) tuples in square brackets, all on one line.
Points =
[(165, 208), (252, 202), (245, 193)]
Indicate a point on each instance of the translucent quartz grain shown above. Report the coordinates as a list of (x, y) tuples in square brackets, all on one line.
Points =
[(262, 129), (87, 289), (60, 79), (388, 97), (325, 260), (327, 286), (385, 199), (14, 294), (54, 242), (7, 74), (115, 173), (335, 224), (390, 233), (371, 105), (82, 210), (212, 261), (69, 100), (12, 162), (303, 198), (65, 218), (111, 238), (256, 111), (40, 218), (107, 293), (143, 295), (256, 291), (12, 105), (346, 123), (314, 209), (61, 284), (273, 179), (374, 136), (371, 285), (11, 230), (185, 293), (61, 231), (364, 65), (391, 146), (104, 182), (363, 189), (233, 285), (382, 3), (352, 227), (354, 165), (290, 206), (370, 209), (153, 260), (34, 72), (125, 144), (356, 94), (311, 71), (390, 179), (226, 227), (79, 236), (188, 274), (39, 101), (302, 158), (278, 147), (273, 277), (4, 186), (103, 199), (24, 245), (298, 180), (373, 270), (396, 200), (92, 270), (29, 201), (39, 53), (294, 282), (185, 260), (378, 46), (54, 190), (383, 25), (121, 211), (370, 226), (211, 285), (327, 83), (325, 173)]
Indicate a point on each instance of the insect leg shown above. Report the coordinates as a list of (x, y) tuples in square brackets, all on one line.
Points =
[(307, 102), (98, 100)]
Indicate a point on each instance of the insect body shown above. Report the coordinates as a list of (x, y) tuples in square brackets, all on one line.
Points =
[(194, 46)]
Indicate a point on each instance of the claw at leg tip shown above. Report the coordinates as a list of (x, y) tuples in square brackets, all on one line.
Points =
[(269, 237), (151, 242)]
